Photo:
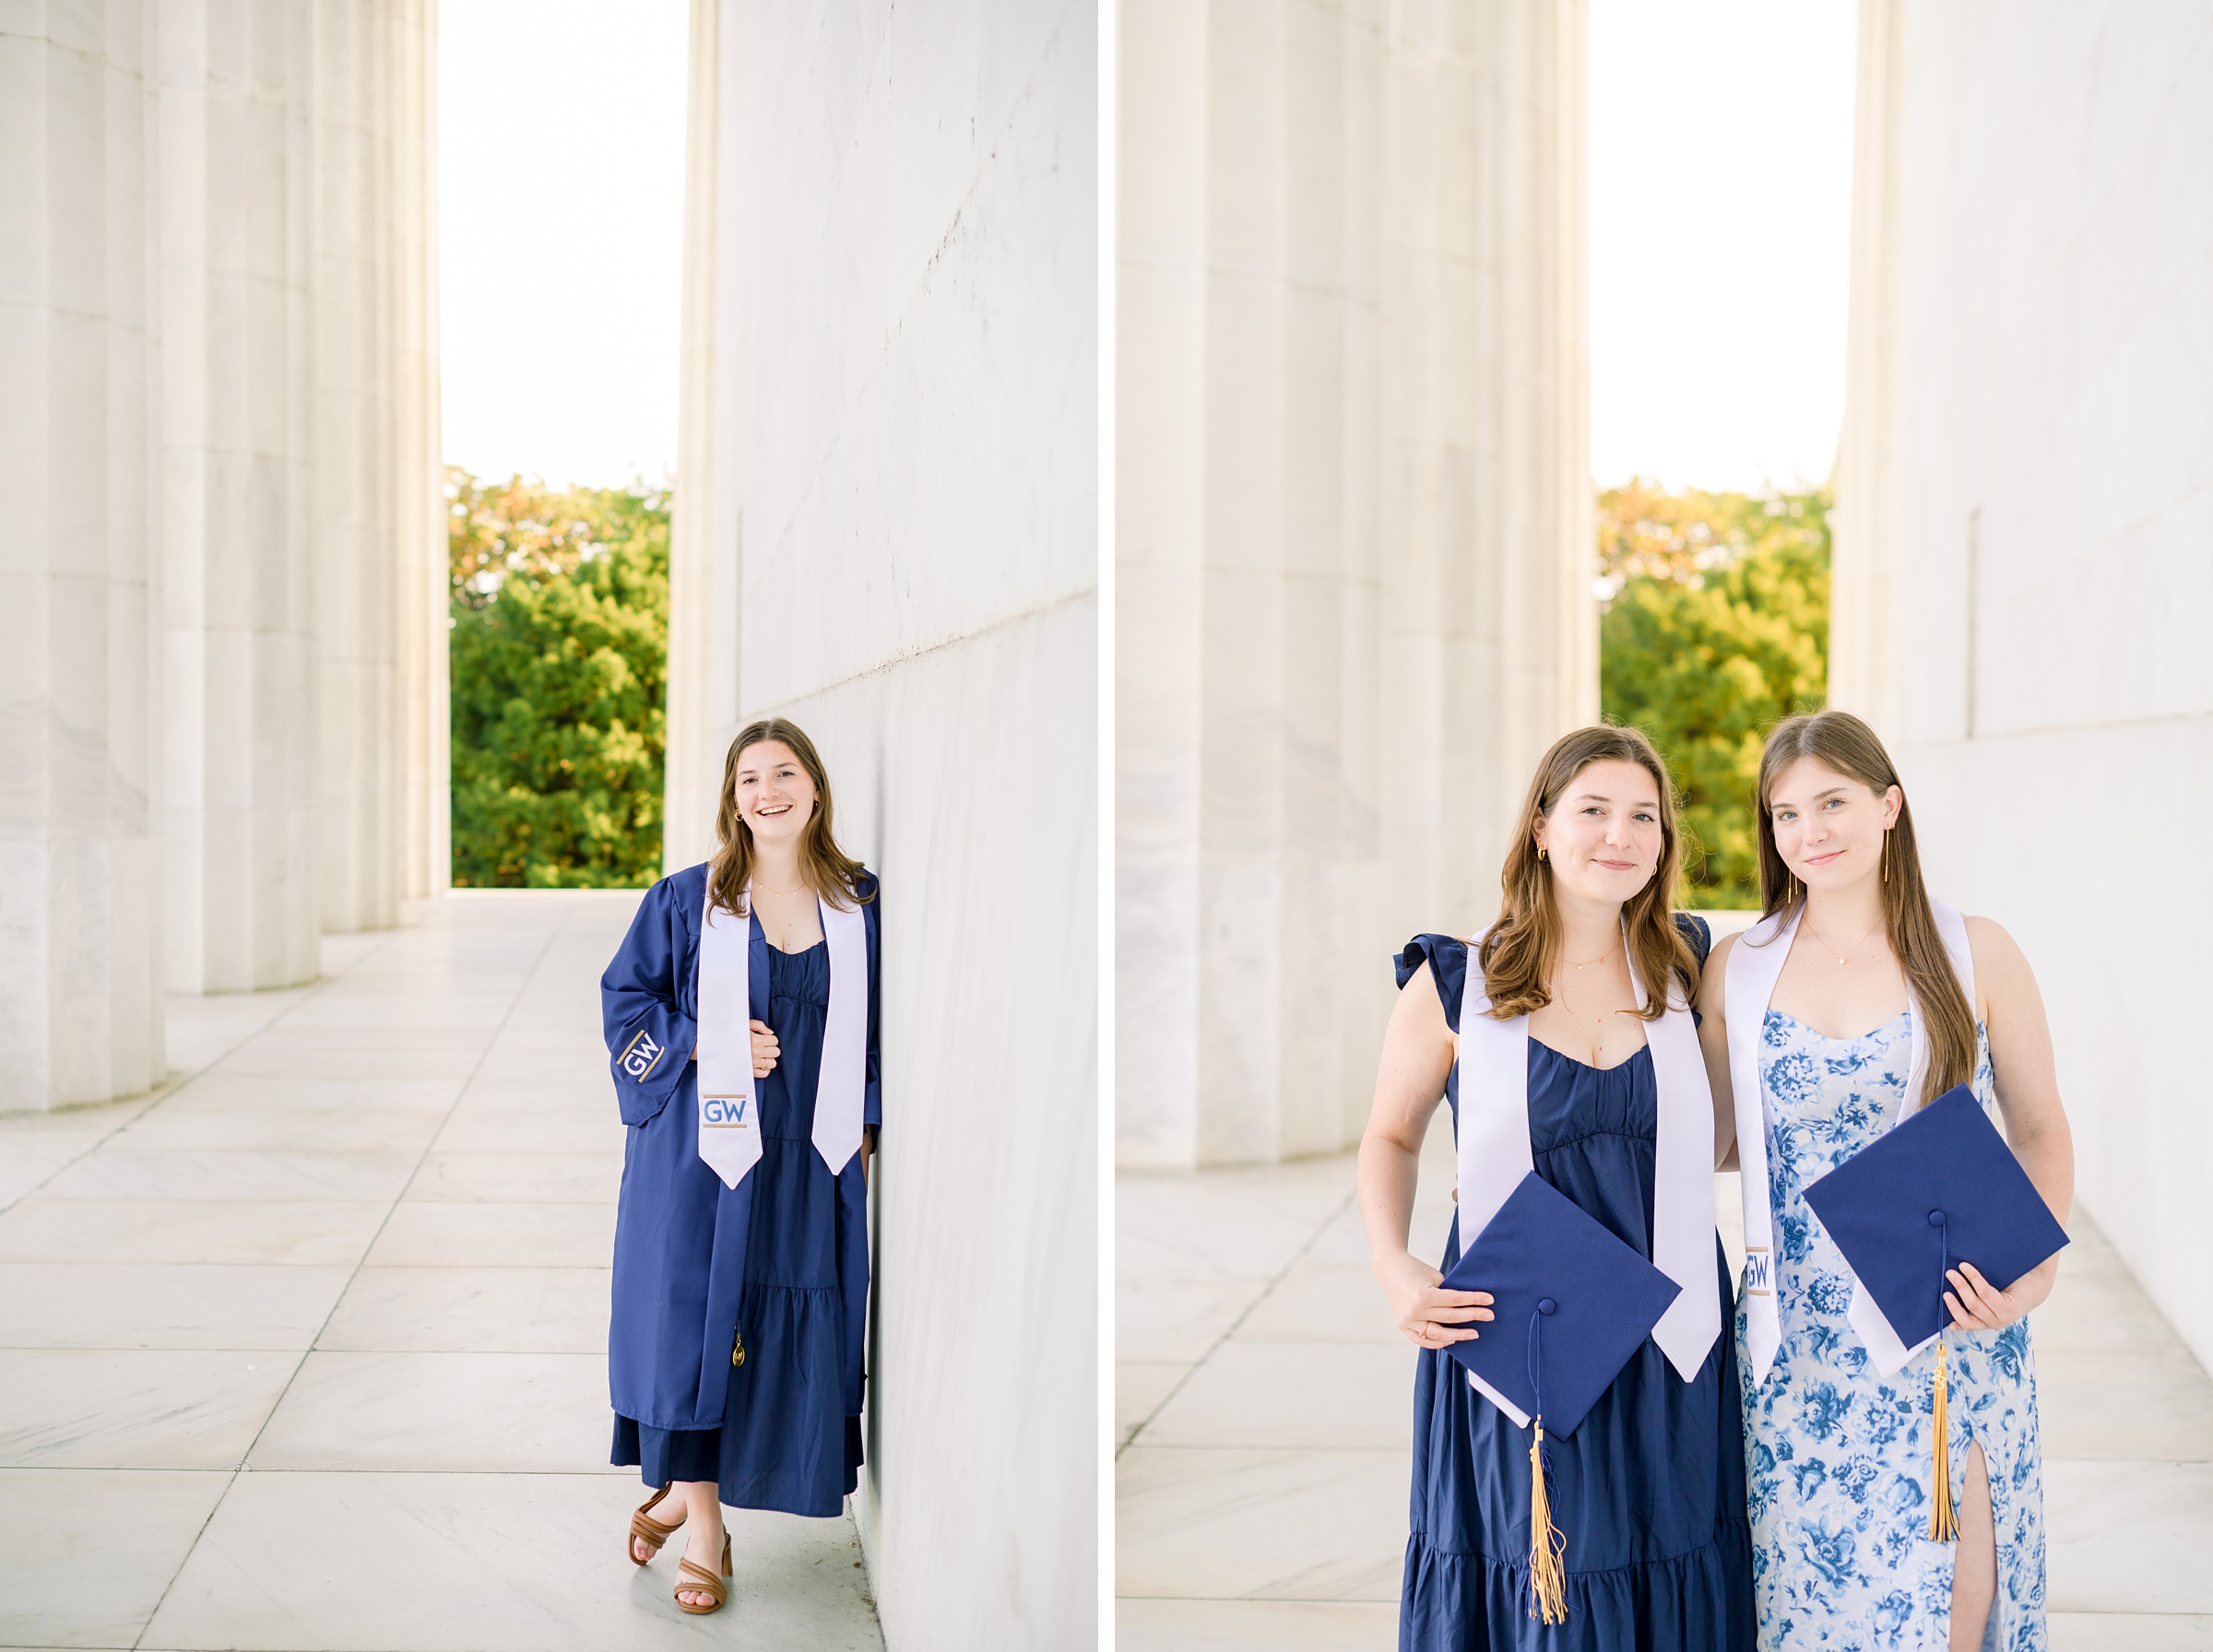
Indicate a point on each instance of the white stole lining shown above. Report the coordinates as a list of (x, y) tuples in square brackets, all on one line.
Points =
[(730, 1103), (1494, 1154), (1754, 969)]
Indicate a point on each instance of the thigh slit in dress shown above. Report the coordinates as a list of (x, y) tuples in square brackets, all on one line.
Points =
[(1838, 1456)]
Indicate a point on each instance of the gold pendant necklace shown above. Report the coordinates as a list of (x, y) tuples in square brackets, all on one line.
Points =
[(1600, 959), (1856, 945), (1598, 1020)]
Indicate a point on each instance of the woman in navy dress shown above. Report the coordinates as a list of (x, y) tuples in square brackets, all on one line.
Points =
[(735, 1348), (1649, 1491)]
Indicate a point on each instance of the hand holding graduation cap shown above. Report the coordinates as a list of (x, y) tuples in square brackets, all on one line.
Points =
[(1980, 1306), (1428, 1314)]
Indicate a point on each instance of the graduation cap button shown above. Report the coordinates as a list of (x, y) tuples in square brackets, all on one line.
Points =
[(1546, 1305), (1936, 1219)]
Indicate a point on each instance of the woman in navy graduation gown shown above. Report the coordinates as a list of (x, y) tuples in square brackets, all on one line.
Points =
[(1649, 1491), (735, 1348)]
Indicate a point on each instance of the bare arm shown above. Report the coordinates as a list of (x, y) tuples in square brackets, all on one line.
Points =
[(1713, 1042), (2036, 1123), (1410, 1081)]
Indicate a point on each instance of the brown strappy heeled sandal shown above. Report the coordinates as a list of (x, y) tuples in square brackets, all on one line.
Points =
[(645, 1530), (693, 1578)]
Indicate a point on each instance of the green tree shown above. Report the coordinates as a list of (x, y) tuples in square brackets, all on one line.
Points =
[(560, 649), (1713, 627)]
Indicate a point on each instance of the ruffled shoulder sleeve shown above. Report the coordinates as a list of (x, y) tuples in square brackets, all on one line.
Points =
[(1448, 962), (1696, 932), (1700, 937)]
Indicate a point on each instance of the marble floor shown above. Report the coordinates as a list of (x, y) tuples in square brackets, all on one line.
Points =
[(1262, 1403), (306, 1350)]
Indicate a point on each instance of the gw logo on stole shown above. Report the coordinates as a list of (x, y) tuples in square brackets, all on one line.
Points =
[(723, 1112), (640, 1055)]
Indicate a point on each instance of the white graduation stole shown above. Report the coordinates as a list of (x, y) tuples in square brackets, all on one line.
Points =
[(1755, 965), (1494, 1154), (730, 1096)]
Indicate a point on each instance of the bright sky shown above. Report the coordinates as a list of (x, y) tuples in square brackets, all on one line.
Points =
[(1720, 196), (561, 208), (1721, 207)]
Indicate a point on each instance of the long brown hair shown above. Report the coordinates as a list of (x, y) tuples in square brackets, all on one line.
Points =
[(1524, 946), (835, 874), (1841, 741)]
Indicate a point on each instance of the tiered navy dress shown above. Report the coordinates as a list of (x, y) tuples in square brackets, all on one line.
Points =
[(1649, 1491), (779, 1263)]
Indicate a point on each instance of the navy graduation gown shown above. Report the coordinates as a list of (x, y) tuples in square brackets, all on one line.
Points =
[(680, 1235)]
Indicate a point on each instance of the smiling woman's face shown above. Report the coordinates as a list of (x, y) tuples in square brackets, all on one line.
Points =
[(1829, 827), (773, 791), (1604, 837)]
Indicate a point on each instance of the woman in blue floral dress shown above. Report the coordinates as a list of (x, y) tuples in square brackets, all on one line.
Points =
[(1839, 1456)]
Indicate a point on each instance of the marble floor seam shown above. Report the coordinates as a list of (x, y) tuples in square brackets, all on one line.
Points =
[(1266, 1289), (170, 1083), (243, 1469)]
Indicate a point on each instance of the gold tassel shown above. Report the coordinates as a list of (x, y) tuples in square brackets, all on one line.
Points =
[(1944, 1524), (1547, 1548)]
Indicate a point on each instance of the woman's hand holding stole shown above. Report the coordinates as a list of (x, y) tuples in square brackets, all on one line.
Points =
[(765, 1049)]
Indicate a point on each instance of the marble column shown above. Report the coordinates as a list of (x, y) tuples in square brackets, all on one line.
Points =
[(80, 902), (1353, 513), (700, 698), (238, 136), (421, 562), (380, 500), (1863, 575)]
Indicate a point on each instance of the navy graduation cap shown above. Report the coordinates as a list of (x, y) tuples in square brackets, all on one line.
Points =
[(1571, 1302), (1940, 1190)]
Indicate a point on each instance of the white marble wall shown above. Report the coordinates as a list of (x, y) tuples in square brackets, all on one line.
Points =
[(2054, 448), (235, 202), (1353, 515), (80, 902), (891, 338)]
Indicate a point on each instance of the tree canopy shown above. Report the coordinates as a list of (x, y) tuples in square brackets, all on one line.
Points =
[(559, 644), (1713, 627)]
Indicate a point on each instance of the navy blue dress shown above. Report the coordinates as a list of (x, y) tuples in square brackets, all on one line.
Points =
[(779, 1263), (1649, 1491)]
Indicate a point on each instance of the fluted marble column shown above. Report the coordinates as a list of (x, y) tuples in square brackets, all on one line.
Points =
[(237, 373), (80, 902), (1863, 581), (380, 522), (421, 562), (700, 700), (1354, 528)]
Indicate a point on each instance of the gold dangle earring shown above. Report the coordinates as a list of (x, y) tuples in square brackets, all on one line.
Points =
[(1886, 854)]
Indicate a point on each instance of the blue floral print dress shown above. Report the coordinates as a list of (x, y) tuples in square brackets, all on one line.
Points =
[(1837, 1457)]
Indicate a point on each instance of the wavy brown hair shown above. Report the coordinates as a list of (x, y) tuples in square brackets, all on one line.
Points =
[(1841, 741), (835, 874), (1522, 948)]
